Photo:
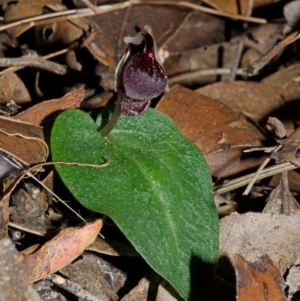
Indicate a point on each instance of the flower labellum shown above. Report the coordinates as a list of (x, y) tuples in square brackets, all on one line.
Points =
[(139, 76)]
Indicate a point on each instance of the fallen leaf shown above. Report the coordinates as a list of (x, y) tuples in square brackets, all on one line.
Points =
[(260, 279), (212, 32), (14, 284), (23, 141), (258, 100), (220, 133), (23, 9), (13, 88), (289, 150), (253, 235), (280, 200), (108, 45), (40, 113), (60, 251), (283, 81)]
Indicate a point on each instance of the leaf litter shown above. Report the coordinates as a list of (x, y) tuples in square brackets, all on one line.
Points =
[(223, 117)]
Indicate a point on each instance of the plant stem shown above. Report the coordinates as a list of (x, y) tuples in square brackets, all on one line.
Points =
[(114, 118)]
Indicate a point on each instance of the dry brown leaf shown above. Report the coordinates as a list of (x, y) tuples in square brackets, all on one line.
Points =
[(255, 100), (280, 200), (108, 45), (212, 32), (14, 284), (203, 58), (60, 251), (12, 88), (283, 80), (253, 235), (220, 133), (24, 9), (41, 113), (289, 150), (259, 280), (23, 141)]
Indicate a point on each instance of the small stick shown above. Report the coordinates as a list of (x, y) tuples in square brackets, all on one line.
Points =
[(73, 288), (31, 59), (85, 12), (203, 72), (262, 61), (240, 48), (91, 6), (259, 171)]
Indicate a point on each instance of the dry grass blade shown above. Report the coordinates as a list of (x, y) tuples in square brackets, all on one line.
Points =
[(85, 12), (242, 181)]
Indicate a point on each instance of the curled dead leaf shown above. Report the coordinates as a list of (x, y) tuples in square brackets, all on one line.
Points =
[(61, 250)]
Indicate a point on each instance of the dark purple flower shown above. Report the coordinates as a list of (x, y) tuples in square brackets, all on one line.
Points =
[(139, 76)]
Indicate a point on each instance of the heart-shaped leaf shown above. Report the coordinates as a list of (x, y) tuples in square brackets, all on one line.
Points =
[(157, 189)]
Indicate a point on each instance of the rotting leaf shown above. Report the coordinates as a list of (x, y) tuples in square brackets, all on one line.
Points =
[(253, 235), (280, 200), (24, 9), (60, 251), (284, 81), (288, 153), (41, 113), (12, 88), (260, 279), (219, 132)]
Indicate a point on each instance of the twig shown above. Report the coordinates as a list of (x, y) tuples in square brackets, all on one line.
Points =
[(85, 12), (259, 171), (262, 61), (91, 6), (31, 59), (242, 181), (204, 72), (201, 8), (240, 47), (73, 288)]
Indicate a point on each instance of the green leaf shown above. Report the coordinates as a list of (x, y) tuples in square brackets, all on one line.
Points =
[(157, 189)]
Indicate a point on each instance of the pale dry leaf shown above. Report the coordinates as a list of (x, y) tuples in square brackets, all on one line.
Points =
[(280, 200), (61, 250), (253, 235)]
